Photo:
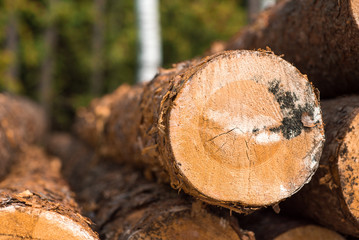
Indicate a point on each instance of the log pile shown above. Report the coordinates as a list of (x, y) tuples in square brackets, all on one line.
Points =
[(335, 186), (319, 37), (124, 205), (216, 128), (36, 203), (199, 151)]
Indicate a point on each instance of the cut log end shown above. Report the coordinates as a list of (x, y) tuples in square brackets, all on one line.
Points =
[(310, 232), (348, 166), (32, 223), (246, 128), (355, 10), (36, 203)]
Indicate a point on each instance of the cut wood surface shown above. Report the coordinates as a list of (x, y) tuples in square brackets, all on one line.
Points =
[(332, 197), (319, 37), (267, 225), (21, 122), (240, 129), (123, 205), (36, 203)]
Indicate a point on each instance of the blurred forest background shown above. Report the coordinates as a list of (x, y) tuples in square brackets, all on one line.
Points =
[(54, 51)]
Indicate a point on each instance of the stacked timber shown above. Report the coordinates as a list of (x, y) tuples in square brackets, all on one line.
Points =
[(332, 197), (319, 37), (21, 122), (124, 205), (36, 203), (239, 129)]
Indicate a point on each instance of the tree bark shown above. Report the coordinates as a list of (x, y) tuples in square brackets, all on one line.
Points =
[(216, 128), (36, 203), (21, 122), (332, 197), (124, 205), (319, 37), (267, 225)]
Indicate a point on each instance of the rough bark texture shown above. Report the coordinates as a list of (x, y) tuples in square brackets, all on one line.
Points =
[(21, 122), (208, 126), (36, 203), (124, 205), (319, 37), (267, 225), (332, 197)]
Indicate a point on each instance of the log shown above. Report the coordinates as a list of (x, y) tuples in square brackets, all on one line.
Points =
[(36, 203), (21, 122), (319, 37), (124, 205), (216, 128), (267, 225), (332, 197)]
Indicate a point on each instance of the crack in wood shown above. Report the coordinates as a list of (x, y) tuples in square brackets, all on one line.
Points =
[(221, 134), (19, 236)]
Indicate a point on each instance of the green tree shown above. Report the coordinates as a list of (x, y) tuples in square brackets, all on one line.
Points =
[(188, 29), (190, 26)]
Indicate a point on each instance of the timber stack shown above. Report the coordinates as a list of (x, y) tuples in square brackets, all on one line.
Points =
[(237, 131), (335, 186), (319, 37), (36, 203), (216, 128), (35, 200), (124, 205)]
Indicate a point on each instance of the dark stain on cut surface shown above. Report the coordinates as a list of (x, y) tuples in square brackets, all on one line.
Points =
[(292, 125), (351, 129), (255, 130), (285, 99), (344, 151)]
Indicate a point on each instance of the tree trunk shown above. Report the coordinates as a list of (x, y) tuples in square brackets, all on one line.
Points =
[(267, 225), (36, 203), (149, 38), (319, 37), (124, 205), (216, 128), (21, 122), (48, 63), (98, 47), (12, 46), (256, 6), (332, 197)]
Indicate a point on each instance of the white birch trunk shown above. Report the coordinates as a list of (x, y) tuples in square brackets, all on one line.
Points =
[(150, 54), (256, 6)]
